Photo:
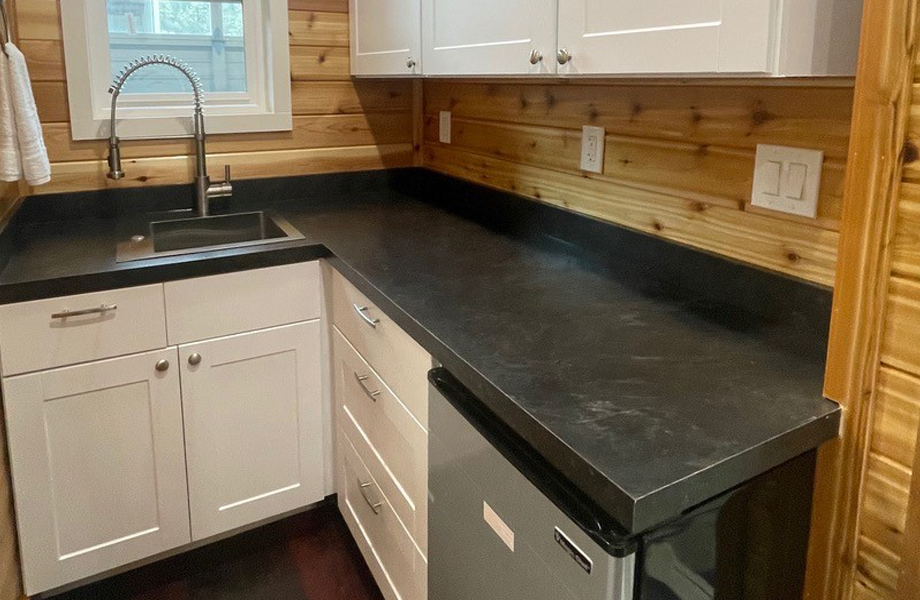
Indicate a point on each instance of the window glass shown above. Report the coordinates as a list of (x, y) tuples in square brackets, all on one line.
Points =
[(206, 34)]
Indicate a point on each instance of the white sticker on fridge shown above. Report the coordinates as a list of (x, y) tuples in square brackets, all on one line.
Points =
[(500, 528)]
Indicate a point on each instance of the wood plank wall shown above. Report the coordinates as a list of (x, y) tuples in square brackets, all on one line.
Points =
[(895, 417), (679, 157), (339, 125)]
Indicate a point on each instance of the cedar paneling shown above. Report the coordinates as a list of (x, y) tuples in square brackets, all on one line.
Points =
[(38, 20), (346, 97), (900, 347), (905, 249), (896, 419), (318, 28), (339, 124), (322, 131), (804, 251), (319, 63), (885, 497), (679, 158), (323, 5), (51, 101), (712, 174), (90, 175), (735, 116), (886, 537), (45, 59)]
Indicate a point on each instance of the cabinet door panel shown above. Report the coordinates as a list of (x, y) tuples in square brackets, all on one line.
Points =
[(484, 37), (385, 35), (253, 426), (666, 36), (98, 465)]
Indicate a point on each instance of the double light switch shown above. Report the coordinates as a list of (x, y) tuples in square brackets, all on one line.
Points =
[(788, 179)]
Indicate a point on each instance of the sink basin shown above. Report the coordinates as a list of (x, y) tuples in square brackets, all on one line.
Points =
[(202, 234)]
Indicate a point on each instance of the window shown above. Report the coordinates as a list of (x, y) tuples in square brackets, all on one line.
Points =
[(237, 47)]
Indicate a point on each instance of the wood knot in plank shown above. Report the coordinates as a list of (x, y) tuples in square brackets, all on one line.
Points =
[(910, 153)]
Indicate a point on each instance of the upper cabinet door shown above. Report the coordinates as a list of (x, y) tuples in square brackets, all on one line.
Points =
[(98, 466), (253, 410), (489, 37), (385, 37), (665, 36)]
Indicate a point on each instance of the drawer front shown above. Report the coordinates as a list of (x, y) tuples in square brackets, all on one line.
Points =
[(38, 335), (389, 350), (399, 568), (209, 307), (389, 439)]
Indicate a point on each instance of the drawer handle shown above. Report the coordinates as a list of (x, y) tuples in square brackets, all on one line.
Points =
[(99, 310), (375, 506), (372, 394), (362, 312)]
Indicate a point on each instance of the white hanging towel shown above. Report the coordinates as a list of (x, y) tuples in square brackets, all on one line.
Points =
[(10, 159), (35, 167)]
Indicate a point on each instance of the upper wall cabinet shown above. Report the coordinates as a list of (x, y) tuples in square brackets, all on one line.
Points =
[(757, 37), (488, 37), (386, 37)]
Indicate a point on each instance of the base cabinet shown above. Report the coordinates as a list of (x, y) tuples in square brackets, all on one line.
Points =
[(253, 426), (98, 466)]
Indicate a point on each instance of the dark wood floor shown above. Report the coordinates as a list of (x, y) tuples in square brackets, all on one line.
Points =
[(310, 556)]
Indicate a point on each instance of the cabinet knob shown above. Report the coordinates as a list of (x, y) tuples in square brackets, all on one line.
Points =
[(535, 57), (162, 365), (411, 63), (563, 56), (194, 359)]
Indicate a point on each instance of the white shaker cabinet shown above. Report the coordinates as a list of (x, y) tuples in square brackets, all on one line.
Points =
[(98, 466), (386, 37), (253, 426), (489, 37), (757, 37)]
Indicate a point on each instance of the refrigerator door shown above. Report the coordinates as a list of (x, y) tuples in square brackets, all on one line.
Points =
[(493, 535)]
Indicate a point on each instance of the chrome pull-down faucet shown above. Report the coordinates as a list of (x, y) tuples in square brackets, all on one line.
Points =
[(204, 189)]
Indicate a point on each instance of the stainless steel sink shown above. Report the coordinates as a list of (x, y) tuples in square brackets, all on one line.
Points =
[(204, 234)]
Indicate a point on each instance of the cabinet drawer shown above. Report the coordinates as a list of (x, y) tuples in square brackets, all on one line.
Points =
[(209, 307), (390, 440), (399, 568), (37, 335), (389, 350)]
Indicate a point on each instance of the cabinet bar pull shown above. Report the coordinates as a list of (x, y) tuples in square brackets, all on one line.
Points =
[(362, 312), (375, 506), (371, 393), (99, 310)]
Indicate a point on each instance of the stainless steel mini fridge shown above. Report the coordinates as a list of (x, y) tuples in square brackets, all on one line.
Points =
[(505, 525)]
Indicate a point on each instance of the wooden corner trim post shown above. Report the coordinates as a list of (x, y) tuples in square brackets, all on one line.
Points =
[(878, 133)]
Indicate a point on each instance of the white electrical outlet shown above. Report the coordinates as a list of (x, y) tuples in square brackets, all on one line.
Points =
[(787, 179), (592, 148), (444, 127)]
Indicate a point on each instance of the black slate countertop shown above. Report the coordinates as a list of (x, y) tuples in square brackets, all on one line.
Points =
[(653, 377)]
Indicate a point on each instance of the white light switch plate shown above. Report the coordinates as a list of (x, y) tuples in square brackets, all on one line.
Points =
[(592, 148), (444, 127), (788, 179)]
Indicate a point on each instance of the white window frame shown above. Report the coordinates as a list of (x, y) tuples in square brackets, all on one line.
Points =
[(265, 106)]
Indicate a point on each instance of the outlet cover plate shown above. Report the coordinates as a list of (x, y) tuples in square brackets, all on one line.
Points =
[(444, 127), (787, 179), (592, 148)]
